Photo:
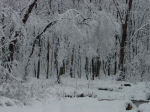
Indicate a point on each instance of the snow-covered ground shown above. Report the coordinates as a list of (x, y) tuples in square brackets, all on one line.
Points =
[(79, 95), (145, 107), (71, 105)]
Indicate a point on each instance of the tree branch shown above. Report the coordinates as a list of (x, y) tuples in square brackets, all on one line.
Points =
[(116, 5), (26, 16)]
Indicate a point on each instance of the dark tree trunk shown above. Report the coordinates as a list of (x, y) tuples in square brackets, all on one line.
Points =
[(56, 61), (109, 61), (12, 47), (48, 48), (79, 62), (115, 55), (96, 63), (72, 61), (123, 40), (35, 70), (87, 67), (39, 61), (62, 69)]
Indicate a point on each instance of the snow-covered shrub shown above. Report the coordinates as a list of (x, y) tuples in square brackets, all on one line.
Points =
[(4, 75), (25, 91)]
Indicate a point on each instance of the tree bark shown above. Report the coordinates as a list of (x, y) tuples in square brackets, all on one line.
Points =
[(123, 41), (39, 61), (48, 48), (72, 61), (87, 68), (26, 16)]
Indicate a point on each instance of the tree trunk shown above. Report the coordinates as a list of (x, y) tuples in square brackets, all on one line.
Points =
[(72, 61), (12, 46), (39, 61), (87, 68), (48, 48), (56, 61), (123, 41)]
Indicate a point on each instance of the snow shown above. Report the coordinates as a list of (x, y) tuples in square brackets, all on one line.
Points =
[(71, 105), (92, 105), (79, 38), (145, 107), (78, 95)]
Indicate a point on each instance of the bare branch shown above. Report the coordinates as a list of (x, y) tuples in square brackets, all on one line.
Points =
[(26, 16), (116, 5)]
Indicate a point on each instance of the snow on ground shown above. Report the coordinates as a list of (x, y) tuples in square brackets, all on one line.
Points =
[(71, 105), (92, 105), (79, 95), (144, 107)]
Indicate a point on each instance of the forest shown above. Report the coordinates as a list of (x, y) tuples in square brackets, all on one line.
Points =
[(74, 55)]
